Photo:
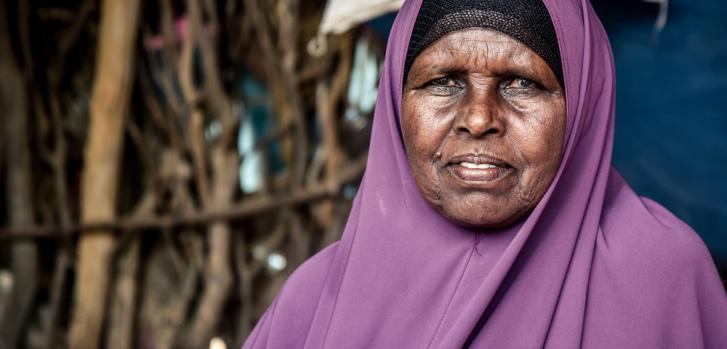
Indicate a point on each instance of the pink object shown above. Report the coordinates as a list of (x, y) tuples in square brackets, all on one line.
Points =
[(181, 33)]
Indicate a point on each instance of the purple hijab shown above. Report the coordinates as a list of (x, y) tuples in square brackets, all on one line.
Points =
[(593, 266)]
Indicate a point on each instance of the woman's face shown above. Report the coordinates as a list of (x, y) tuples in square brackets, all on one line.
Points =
[(483, 125)]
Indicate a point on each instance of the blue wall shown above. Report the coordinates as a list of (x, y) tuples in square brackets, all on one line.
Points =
[(671, 108)]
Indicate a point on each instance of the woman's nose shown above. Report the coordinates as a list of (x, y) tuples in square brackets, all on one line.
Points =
[(478, 114)]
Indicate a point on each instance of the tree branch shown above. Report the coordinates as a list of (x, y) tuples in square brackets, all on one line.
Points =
[(246, 209)]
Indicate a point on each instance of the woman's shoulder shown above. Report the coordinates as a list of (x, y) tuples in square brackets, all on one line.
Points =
[(675, 234), (638, 231), (651, 268), (288, 318), (312, 273), (304, 286)]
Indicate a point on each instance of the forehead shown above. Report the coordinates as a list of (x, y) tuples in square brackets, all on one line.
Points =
[(478, 49)]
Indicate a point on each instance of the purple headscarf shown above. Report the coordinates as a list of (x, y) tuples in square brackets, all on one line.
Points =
[(593, 266)]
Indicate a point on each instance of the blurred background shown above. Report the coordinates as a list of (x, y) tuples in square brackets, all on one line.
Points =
[(166, 164)]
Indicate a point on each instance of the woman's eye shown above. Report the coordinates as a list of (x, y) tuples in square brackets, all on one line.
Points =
[(521, 87), (445, 81), (444, 85), (522, 83)]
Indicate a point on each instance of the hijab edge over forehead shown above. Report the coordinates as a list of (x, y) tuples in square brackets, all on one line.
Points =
[(527, 21)]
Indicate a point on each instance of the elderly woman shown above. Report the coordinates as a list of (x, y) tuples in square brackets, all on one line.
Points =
[(490, 215)]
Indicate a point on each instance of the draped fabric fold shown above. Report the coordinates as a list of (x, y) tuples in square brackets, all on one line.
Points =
[(593, 266)]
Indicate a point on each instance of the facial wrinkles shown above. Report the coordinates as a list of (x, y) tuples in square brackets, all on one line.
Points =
[(486, 49), (537, 120), (476, 72)]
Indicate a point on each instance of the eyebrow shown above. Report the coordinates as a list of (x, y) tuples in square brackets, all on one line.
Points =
[(525, 71), (453, 69)]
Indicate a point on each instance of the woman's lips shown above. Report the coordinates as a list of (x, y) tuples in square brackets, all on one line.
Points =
[(478, 168), (479, 172)]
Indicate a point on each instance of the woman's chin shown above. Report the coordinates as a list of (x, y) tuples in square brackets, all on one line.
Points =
[(481, 220)]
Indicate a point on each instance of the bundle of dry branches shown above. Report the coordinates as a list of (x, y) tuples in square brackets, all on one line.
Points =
[(124, 220)]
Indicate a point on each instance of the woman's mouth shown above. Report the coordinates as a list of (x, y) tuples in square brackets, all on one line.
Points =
[(478, 168)]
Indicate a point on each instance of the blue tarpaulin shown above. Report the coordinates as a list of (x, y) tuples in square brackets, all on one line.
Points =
[(671, 108)]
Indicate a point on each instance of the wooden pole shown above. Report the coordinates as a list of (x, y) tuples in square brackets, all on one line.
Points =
[(109, 106)]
